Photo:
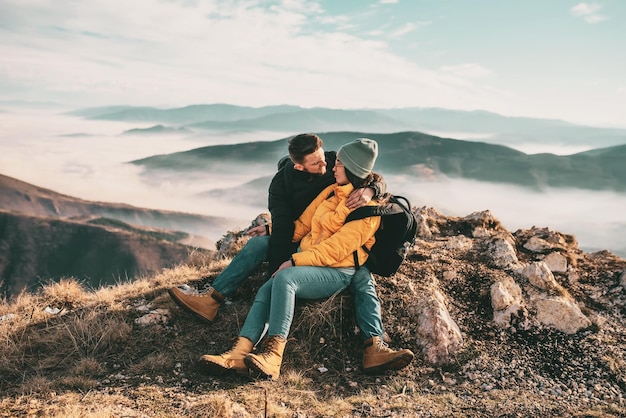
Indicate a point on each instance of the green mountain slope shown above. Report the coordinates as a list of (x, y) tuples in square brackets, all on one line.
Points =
[(414, 152)]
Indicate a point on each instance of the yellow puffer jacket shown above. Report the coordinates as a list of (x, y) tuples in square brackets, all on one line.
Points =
[(325, 239)]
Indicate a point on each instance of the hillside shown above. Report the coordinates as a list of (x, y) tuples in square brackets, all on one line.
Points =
[(320, 118), (157, 130), (503, 324), (415, 153), (95, 251), (28, 199)]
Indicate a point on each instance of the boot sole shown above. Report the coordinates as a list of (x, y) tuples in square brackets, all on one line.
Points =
[(218, 370), (256, 368), (397, 363), (183, 305)]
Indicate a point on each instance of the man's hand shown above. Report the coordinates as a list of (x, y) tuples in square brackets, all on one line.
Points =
[(283, 266), (359, 197), (257, 231)]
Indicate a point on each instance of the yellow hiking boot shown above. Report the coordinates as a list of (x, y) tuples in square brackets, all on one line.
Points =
[(204, 305), (378, 357), (232, 360)]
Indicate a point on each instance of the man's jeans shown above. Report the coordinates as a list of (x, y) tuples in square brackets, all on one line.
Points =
[(366, 302), (243, 265)]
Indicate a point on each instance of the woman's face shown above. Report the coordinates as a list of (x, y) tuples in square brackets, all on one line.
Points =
[(340, 173)]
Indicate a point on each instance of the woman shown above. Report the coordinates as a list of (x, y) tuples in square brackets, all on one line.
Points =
[(323, 266)]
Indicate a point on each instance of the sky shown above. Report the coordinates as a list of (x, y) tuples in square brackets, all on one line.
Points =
[(556, 59)]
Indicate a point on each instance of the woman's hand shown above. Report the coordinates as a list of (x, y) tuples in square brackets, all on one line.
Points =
[(283, 266)]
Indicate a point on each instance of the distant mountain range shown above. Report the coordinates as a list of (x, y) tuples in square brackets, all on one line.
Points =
[(420, 154), (157, 130), (487, 126)]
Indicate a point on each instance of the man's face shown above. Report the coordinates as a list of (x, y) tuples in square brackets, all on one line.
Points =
[(314, 163)]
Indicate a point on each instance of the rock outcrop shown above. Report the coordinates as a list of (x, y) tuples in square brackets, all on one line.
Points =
[(525, 276)]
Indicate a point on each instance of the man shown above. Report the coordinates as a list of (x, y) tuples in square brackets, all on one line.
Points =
[(307, 172)]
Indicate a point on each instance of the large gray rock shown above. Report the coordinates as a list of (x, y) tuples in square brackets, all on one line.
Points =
[(540, 276), (439, 335), (506, 300), (561, 313), (556, 262), (502, 253)]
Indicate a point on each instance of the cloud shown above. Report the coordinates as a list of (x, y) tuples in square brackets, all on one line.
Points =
[(403, 30), (408, 27), (168, 54), (595, 19), (388, 1), (588, 12), (467, 70), (171, 53), (584, 9)]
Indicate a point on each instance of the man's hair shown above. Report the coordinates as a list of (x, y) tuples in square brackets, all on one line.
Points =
[(302, 145)]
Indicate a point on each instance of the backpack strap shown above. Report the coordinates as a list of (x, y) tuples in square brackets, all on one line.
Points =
[(368, 211), (362, 213)]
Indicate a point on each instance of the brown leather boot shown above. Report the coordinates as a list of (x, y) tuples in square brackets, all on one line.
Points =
[(378, 357), (232, 360), (204, 305), (268, 361)]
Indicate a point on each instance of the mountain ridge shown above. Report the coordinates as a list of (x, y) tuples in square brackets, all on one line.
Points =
[(411, 152), (491, 127), (22, 197)]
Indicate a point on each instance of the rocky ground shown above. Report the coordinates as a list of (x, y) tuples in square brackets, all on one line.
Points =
[(524, 318), (503, 324)]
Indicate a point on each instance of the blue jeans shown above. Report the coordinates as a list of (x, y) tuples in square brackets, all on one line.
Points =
[(243, 265), (366, 302), (275, 301)]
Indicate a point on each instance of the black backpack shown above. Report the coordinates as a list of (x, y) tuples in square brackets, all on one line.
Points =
[(394, 237)]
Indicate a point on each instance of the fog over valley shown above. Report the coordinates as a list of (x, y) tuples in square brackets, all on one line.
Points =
[(89, 159)]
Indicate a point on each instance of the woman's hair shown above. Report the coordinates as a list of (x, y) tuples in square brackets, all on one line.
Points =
[(302, 145), (358, 182)]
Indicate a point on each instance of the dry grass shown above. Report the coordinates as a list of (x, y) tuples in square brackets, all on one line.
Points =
[(92, 360)]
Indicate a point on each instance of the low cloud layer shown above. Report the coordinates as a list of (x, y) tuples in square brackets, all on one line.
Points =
[(94, 167)]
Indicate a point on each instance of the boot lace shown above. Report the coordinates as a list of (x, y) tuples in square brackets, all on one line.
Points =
[(382, 346), (232, 349), (268, 347)]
